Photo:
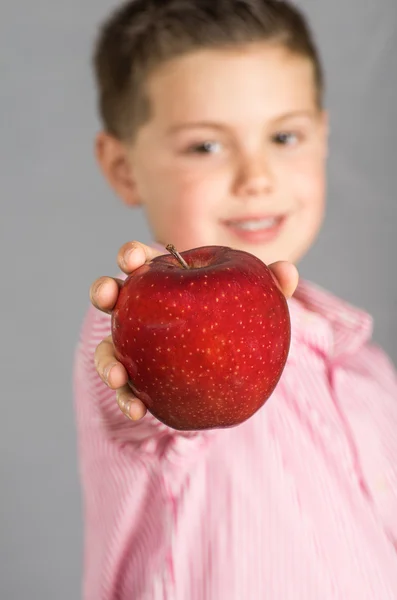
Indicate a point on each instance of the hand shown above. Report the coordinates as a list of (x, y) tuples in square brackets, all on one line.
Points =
[(104, 293)]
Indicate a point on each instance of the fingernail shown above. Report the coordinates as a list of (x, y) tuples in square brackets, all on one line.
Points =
[(125, 406), (121, 402), (127, 256), (108, 371), (127, 409), (98, 288)]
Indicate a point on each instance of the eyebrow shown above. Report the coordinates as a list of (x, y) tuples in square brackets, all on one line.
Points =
[(194, 125), (296, 114), (214, 125)]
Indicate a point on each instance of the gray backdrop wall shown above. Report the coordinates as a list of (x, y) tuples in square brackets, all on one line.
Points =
[(61, 228)]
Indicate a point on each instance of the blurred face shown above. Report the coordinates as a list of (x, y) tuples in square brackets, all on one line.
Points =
[(234, 153)]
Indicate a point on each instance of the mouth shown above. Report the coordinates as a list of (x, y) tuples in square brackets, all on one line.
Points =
[(256, 229)]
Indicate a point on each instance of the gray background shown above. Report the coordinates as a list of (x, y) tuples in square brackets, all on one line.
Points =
[(61, 228)]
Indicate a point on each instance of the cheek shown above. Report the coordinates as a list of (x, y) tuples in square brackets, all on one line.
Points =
[(197, 195), (307, 182), (181, 206)]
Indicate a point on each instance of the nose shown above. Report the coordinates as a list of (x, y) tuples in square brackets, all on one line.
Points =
[(254, 177)]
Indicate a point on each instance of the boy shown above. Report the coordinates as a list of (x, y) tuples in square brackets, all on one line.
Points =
[(214, 123)]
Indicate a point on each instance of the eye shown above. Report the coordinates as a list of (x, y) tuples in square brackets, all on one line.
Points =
[(208, 147), (285, 138)]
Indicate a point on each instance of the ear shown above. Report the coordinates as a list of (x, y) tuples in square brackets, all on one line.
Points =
[(115, 163)]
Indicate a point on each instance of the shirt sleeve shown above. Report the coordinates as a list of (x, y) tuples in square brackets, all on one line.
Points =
[(130, 475)]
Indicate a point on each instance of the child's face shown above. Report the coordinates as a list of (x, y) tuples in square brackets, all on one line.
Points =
[(234, 153)]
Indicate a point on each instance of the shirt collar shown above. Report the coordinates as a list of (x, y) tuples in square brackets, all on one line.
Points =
[(326, 323)]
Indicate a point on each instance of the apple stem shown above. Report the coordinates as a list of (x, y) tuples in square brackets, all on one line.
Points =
[(172, 250)]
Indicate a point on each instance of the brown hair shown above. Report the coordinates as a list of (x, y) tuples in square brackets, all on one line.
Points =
[(142, 34)]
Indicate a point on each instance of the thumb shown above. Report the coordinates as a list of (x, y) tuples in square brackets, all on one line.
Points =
[(286, 276)]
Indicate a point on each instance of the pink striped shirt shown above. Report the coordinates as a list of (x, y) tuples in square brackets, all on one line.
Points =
[(298, 503)]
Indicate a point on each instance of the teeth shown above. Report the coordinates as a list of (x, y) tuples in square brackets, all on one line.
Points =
[(255, 225)]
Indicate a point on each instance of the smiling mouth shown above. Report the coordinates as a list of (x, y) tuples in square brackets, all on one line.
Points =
[(255, 224), (256, 229)]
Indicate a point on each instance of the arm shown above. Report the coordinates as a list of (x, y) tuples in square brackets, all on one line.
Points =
[(131, 469)]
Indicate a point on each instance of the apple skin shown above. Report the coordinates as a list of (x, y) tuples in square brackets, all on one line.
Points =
[(204, 347)]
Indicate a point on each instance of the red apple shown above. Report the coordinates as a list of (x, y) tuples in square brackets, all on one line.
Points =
[(204, 336)]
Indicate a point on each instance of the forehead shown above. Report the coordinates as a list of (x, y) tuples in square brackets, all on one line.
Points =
[(247, 81)]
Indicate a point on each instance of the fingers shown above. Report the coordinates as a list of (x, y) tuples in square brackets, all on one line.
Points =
[(104, 293), (286, 276), (133, 255), (115, 376), (109, 369), (129, 405), (105, 290)]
